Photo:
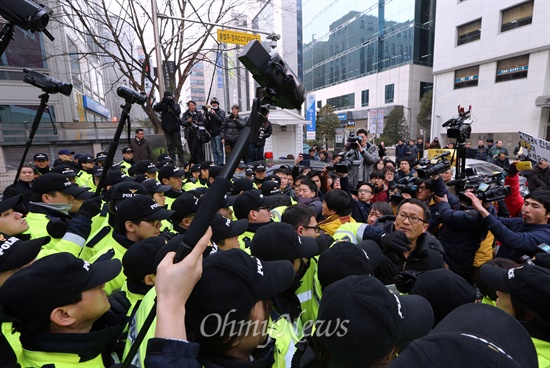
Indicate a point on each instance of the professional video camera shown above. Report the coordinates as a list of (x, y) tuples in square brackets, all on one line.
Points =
[(436, 165), (347, 161), (27, 15), (404, 185), (488, 188), (47, 83), (280, 86), (460, 127), (131, 96), (354, 141)]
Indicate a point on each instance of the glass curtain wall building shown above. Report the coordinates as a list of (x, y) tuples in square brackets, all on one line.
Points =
[(345, 41)]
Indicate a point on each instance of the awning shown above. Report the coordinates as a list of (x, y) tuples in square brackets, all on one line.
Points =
[(283, 117)]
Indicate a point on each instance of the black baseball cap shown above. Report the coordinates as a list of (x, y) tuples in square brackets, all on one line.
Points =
[(231, 284), (345, 259), (145, 166), (378, 319), (270, 188), (473, 335), (224, 228), (40, 157), (259, 167), (154, 186), (279, 240), (249, 171), (195, 168), (52, 282), (206, 165), (127, 150), (241, 185), (214, 171), (124, 190), (169, 171), (65, 170), (164, 157), (65, 151), (101, 156), (16, 253), (10, 203), (116, 176), (241, 165), (444, 290), (141, 207), (214, 100), (251, 200), (139, 259), (186, 204), (86, 158), (528, 283), (97, 171), (54, 182)]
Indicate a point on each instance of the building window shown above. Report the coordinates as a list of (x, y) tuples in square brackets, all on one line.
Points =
[(425, 87), (469, 32), (467, 77), (342, 102), (518, 16), (319, 104), (513, 68), (365, 98), (389, 93)]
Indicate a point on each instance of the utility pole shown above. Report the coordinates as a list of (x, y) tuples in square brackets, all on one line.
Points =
[(160, 74)]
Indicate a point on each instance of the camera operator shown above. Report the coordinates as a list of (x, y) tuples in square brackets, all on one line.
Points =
[(405, 170), (367, 154), (257, 144), (192, 120), (519, 236), (170, 122), (232, 128), (217, 117)]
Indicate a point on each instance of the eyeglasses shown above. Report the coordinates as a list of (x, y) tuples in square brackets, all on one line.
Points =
[(262, 208), (153, 222), (422, 188), (316, 228), (364, 191), (412, 219)]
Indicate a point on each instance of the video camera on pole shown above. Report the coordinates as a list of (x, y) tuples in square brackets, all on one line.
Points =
[(460, 128), (437, 165)]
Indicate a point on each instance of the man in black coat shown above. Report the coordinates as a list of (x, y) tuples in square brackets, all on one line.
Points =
[(215, 117), (170, 122), (193, 120)]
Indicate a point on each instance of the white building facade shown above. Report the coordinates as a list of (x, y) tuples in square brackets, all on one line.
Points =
[(495, 56)]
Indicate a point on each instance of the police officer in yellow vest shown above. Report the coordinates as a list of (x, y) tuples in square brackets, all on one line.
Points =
[(137, 218), (84, 177), (279, 241), (171, 175), (14, 254), (49, 208), (127, 159), (59, 298), (254, 206)]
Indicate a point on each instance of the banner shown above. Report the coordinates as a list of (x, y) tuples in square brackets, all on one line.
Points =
[(311, 117), (433, 152), (535, 148), (380, 123), (373, 118)]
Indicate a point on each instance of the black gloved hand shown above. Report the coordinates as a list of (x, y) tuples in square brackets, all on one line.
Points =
[(397, 241), (512, 170), (91, 207), (57, 227)]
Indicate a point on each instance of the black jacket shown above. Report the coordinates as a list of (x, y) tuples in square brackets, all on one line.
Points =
[(169, 114), (232, 127), (215, 121)]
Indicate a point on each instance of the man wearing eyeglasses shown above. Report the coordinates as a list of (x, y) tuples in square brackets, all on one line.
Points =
[(407, 243)]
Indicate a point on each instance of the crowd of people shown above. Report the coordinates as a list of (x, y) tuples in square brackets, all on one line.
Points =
[(299, 267), (209, 124)]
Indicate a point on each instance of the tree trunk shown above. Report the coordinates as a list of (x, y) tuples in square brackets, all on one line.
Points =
[(153, 117)]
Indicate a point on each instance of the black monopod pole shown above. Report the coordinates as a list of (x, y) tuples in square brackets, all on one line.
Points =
[(44, 98)]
